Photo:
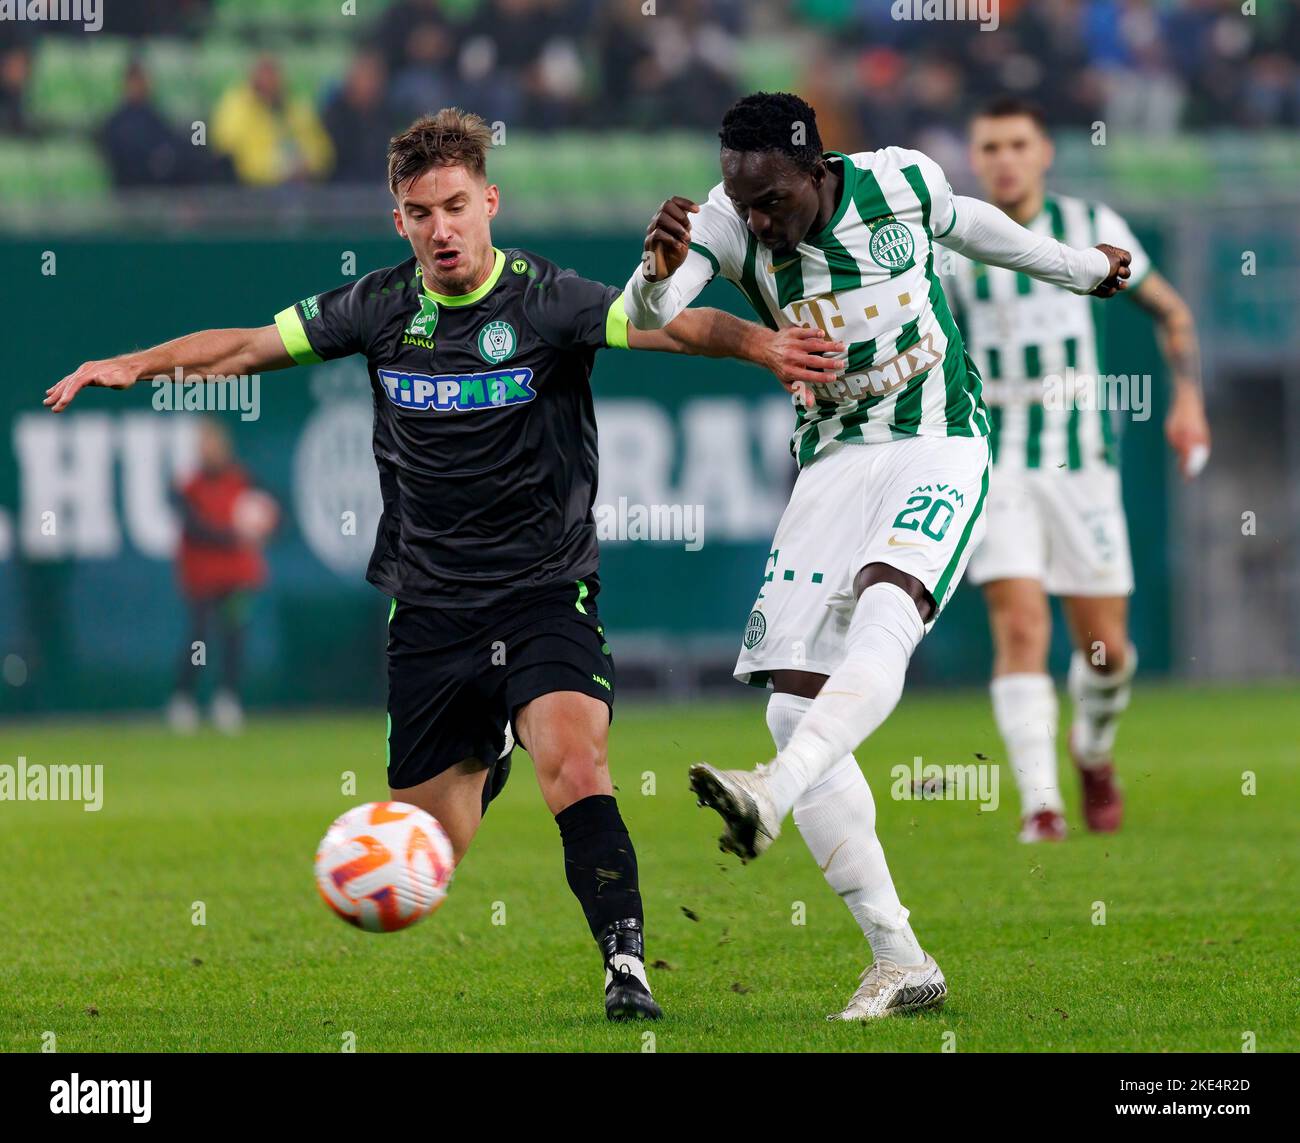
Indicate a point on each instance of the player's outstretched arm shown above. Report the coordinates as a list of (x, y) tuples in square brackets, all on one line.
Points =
[(1186, 427), (670, 274), (208, 353), (794, 354), (986, 234)]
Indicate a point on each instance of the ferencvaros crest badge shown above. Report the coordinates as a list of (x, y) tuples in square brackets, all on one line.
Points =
[(892, 246)]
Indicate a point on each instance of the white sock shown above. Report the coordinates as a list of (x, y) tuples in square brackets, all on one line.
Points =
[(1025, 709), (859, 695), (837, 818), (1099, 700)]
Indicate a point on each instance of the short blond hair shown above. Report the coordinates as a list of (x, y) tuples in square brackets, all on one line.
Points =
[(450, 138)]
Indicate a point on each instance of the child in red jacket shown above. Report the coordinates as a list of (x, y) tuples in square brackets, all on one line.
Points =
[(219, 562)]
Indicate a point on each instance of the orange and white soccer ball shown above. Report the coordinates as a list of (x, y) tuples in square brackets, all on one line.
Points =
[(254, 516), (384, 865)]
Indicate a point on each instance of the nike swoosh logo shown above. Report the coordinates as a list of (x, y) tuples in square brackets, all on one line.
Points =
[(895, 542), (832, 856), (776, 269)]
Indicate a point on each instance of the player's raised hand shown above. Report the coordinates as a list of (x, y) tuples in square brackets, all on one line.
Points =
[(1188, 432), (668, 238), (1117, 279), (802, 356), (112, 373)]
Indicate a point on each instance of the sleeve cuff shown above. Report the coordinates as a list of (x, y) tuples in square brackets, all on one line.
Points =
[(616, 324), (294, 337)]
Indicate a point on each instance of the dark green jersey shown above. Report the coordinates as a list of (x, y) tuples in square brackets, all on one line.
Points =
[(484, 431)]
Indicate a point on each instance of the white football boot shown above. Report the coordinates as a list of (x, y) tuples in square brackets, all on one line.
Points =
[(888, 989), (741, 797)]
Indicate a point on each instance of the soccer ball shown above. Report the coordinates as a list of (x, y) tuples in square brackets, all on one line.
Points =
[(384, 865), (254, 516)]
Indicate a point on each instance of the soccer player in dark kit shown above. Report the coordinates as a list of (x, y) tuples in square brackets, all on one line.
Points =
[(485, 439)]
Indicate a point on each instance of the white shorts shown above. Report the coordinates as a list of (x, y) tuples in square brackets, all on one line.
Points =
[(1064, 529), (916, 504)]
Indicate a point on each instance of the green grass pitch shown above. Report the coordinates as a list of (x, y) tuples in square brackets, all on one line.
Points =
[(1197, 950)]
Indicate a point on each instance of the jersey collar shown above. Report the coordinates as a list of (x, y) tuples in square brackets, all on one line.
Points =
[(474, 295), (846, 196)]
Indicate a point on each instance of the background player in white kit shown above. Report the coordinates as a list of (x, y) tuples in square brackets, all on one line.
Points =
[(894, 468), (1055, 513)]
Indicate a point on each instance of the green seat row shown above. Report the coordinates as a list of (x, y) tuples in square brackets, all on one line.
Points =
[(77, 83), (50, 170)]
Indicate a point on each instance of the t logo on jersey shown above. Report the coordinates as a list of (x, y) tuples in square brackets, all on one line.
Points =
[(457, 393), (423, 323)]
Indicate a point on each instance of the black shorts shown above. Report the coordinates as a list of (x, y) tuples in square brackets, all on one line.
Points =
[(457, 676)]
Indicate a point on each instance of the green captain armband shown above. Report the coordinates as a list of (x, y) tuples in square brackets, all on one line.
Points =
[(616, 325), (294, 337)]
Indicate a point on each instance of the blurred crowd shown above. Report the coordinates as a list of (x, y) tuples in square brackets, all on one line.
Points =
[(1157, 66)]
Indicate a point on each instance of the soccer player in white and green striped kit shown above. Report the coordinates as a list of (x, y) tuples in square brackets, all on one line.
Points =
[(893, 470), (1055, 514)]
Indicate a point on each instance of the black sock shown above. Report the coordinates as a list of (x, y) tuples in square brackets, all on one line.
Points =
[(600, 862)]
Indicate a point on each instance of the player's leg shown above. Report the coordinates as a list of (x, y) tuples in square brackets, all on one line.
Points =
[(454, 797), (183, 707), (232, 613), (865, 629), (559, 694), (447, 752), (837, 820), (922, 511), (1024, 701), (1091, 570), (566, 735), (835, 811), (1011, 565), (1101, 674), (795, 635)]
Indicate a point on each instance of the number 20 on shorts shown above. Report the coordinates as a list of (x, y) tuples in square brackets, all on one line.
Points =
[(938, 515)]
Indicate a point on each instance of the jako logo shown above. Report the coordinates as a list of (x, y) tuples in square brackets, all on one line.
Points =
[(78, 1096), (452, 393)]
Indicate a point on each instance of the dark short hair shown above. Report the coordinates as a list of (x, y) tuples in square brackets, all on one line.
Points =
[(1009, 106), (767, 121), (450, 138)]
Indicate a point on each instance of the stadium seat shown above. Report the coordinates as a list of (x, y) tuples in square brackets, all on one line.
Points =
[(76, 83), (41, 172)]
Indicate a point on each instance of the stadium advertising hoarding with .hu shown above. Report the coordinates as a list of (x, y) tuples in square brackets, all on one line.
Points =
[(695, 471)]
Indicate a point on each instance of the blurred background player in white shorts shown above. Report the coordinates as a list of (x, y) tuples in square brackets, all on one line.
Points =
[(1055, 510)]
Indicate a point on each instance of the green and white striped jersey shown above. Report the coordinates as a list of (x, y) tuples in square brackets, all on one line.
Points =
[(867, 279), (1038, 346)]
